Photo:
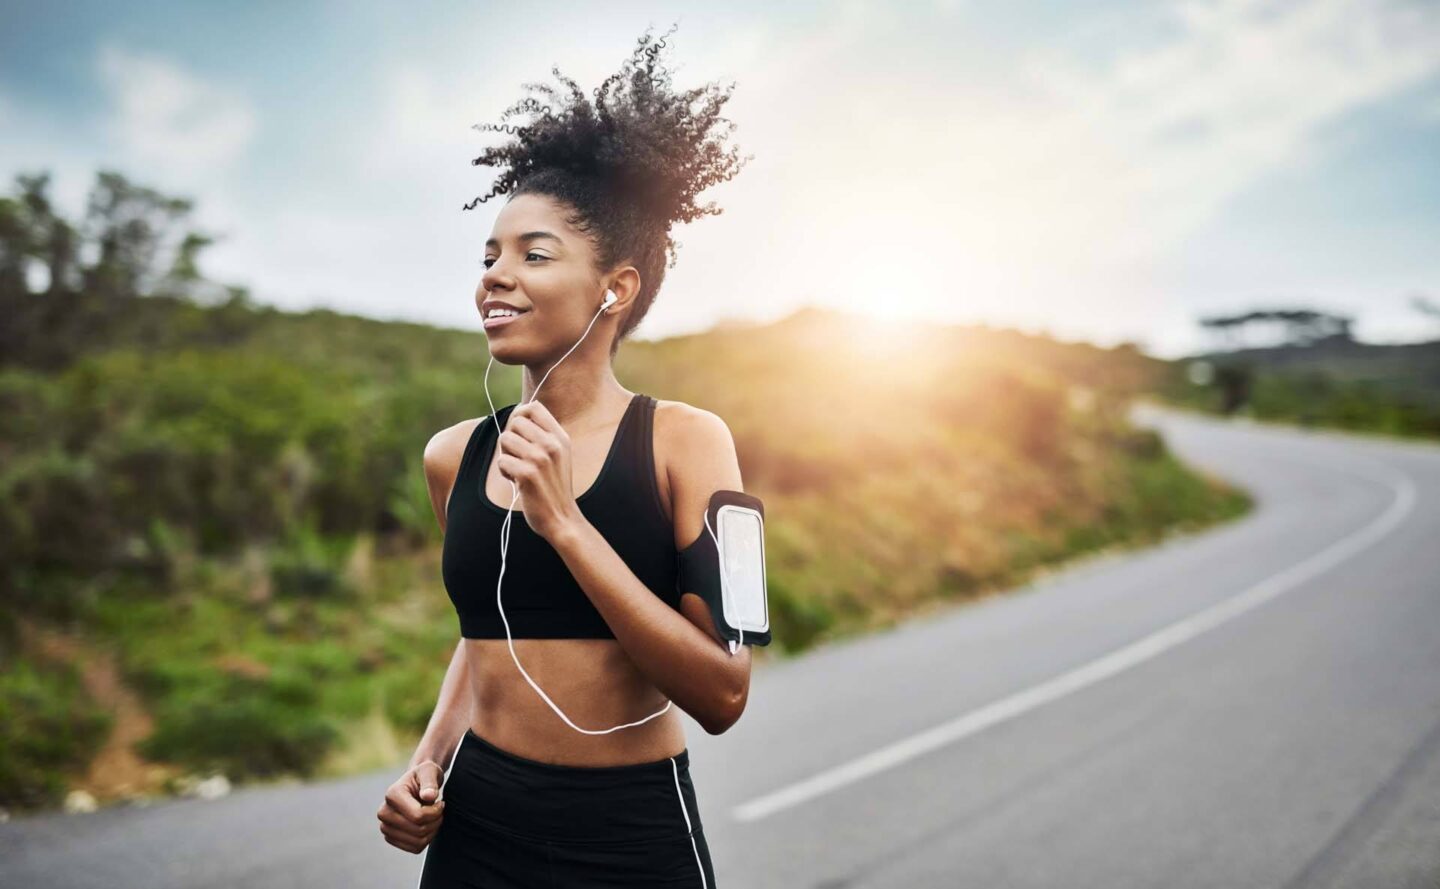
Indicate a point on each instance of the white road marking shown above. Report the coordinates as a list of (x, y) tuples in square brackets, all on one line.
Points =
[(1137, 652)]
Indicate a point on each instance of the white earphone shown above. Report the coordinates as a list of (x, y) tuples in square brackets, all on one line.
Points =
[(609, 300)]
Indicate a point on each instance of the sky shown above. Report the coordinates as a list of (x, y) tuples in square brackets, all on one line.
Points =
[(1092, 170)]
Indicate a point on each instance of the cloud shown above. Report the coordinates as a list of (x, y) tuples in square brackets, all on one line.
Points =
[(883, 164), (958, 179), (1174, 130), (166, 117), (897, 153), (1430, 109), (1130, 155)]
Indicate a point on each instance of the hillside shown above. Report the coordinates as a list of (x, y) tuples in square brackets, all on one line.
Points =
[(1336, 382), (218, 556), (240, 534)]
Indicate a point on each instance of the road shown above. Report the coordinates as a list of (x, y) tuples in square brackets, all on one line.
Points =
[(1257, 705)]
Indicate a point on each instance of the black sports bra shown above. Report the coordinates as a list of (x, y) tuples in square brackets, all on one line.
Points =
[(541, 597)]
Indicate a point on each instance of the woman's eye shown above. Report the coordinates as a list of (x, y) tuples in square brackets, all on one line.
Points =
[(487, 262)]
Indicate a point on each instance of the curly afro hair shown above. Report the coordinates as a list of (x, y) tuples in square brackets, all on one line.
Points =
[(628, 164)]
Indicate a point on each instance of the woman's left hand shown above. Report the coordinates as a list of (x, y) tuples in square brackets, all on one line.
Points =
[(535, 455)]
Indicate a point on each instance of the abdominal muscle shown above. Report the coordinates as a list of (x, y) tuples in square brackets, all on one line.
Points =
[(593, 681)]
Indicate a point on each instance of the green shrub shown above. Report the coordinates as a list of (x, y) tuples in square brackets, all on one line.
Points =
[(408, 693), (796, 621), (311, 566), (51, 728), (242, 725)]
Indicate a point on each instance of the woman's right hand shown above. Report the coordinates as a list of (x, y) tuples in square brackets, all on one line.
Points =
[(412, 811)]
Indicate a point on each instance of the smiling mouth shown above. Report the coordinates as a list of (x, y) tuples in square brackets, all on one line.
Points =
[(501, 320)]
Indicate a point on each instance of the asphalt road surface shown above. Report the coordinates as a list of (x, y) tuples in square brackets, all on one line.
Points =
[(1257, 705)]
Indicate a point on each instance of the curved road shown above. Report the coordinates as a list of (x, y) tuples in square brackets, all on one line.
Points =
[(1254, 706)]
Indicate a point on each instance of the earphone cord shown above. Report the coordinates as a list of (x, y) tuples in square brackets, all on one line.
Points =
[(505, 545)]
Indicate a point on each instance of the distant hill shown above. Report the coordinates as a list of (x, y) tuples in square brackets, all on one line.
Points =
[(1334, 382), (1409, 371)]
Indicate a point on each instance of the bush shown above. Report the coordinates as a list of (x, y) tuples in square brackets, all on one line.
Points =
[(242, 725), (796, 622), (1143, 443), (310, 565), (51, 728)]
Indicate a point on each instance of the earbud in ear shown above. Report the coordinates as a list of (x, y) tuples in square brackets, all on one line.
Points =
[(610, 298)]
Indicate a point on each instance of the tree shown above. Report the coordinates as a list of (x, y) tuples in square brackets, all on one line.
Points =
[(137, 244), (133, 227), (1425, 306), (1301, 327)]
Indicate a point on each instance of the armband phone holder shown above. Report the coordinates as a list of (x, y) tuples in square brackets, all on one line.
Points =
[(725, 566)]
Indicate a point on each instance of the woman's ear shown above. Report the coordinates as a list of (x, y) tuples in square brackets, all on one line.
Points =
[(625, 282)]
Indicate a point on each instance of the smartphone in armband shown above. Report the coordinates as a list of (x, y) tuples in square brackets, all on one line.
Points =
[(725, 566)]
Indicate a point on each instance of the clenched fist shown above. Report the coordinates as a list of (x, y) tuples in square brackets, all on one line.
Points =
[(412, 809)]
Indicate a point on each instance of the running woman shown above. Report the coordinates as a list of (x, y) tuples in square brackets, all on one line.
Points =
[(554, 757)]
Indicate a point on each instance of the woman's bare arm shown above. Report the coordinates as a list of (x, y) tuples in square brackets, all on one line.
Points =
[(452, 716), (412, 811), (453, 709), (681, 653)]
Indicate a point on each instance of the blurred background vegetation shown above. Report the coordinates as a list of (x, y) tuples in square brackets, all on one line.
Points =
[(1312, 372), (217, 553)]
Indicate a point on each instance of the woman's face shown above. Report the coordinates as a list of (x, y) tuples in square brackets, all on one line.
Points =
[(538, 264)]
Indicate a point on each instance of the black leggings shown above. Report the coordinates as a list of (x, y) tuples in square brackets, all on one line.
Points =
[(516, 823)]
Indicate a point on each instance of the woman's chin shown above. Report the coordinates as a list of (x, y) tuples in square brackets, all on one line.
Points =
[(510, 352), (501, 351)]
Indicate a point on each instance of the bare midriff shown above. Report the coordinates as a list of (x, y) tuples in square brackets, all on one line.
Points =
[(593, 681)]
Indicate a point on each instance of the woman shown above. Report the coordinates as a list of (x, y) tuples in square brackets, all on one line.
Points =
[(556, 775)]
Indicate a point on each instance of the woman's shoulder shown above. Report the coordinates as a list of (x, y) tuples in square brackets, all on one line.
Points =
[(446, 448), (699, 434), (680, 415), (680, 426), (704, 461)]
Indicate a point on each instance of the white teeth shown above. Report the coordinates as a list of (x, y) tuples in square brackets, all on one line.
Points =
[(497, 313)]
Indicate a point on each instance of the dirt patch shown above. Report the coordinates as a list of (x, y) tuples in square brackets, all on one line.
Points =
[(117, 771)]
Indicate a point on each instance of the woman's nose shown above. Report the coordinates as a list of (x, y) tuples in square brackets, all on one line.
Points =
[(496, 278)]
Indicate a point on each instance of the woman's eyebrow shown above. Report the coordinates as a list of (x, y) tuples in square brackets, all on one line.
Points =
[(528, 236)]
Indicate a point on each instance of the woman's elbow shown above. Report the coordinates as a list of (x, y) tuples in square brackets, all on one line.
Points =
[(727, 713)]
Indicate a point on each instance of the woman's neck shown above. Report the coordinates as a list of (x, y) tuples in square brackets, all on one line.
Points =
[(574, 396)]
